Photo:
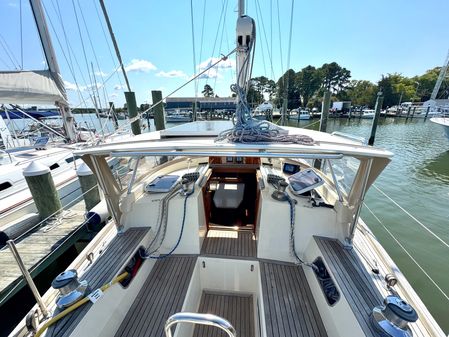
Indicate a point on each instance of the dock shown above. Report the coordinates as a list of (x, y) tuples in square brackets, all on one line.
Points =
[(39, 249)]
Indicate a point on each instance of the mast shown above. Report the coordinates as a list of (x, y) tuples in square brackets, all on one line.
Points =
[(50, 56), (440, 79), (246, 36)]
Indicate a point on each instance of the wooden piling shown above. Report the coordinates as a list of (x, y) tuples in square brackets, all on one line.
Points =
[(113, 115), (132, 111), (89, 186), (378, 108), (413, 111), (194, 117), (427, 112), (43, 189), (323, 120), (325, 110), (159, 116), (408, 111)]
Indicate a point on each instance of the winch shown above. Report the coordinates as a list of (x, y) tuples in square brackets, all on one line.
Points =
[(71, 290), (392, 318), (280, 194)]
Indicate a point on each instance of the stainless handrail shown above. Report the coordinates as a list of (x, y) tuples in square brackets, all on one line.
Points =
[(350, 137), (202, 319)]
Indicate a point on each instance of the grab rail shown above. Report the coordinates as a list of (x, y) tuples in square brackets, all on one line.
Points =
[(202, 319)]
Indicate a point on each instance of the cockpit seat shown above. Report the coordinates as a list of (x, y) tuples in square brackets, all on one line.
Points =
[(229, 195)]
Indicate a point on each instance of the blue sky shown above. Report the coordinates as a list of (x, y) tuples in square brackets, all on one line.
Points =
[(370, 38)]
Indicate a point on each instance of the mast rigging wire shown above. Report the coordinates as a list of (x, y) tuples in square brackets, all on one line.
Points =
[(411, 216), (408, 254), (193, 45)]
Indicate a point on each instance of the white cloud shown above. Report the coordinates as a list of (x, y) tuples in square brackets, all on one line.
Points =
[(114, 95), (12, 4), (217, 70), (101, 73), (141, 66), (211, 73), (119, 87), (71, 86), (172, 74), (226, 64)]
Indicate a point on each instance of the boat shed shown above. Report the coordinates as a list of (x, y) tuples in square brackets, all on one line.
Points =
[(203, 103)]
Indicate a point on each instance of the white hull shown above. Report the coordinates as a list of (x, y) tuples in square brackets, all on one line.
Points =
[(444, 122)]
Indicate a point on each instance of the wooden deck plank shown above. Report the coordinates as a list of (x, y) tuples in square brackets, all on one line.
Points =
[(353, 280), (229, 243), (103, 269), (161, 295), (289, 306), (237, 309)]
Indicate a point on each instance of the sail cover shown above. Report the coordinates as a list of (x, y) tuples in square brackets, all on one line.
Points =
[(30, 87)]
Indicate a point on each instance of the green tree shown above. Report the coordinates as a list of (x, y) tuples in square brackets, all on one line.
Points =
[(308, 81), (334, 77), (427, 83), (397, 88), (362, 93), (293, 98), (254, 96), (208, 91)]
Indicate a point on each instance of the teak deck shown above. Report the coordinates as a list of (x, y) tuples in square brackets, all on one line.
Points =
[(102, 271), (290, 309), (161, 296), (229, 243), (354, 281), (237, 309)]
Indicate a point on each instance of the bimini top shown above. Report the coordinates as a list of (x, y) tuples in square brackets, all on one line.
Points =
[(198, 139)]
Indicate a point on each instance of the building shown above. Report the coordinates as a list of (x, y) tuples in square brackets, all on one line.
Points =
[(203, 103)]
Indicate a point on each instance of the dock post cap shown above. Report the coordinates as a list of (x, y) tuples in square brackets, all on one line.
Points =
[(83, 170), (35, 169)]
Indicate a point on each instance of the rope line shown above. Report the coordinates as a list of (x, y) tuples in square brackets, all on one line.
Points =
[(407, 252)]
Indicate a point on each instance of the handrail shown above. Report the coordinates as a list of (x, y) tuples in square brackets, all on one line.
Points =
[(350, 137), (201, 319), (231, 153)]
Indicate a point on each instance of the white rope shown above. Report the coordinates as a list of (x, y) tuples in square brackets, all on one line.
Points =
[(411, 216), (408, 254)]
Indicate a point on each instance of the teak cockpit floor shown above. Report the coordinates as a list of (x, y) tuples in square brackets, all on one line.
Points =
[(161, 296), (229, 243), (237, 309), (102, 271), (290, 309)]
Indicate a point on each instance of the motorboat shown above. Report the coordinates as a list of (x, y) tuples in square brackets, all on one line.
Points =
[(444, 122), (299, 114), (368, 114)]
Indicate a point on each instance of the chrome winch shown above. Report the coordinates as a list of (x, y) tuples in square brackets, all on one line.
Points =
[(392, 318), (71, 290)]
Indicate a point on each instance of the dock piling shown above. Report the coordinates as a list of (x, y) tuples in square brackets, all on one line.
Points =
[(378, 108), (113, 115), (408, 111), (413, 111), (42, 188), (159, 117), (89, 186), (325, 110), (427, 112), (323, 120), (194, 112), (132, 111)]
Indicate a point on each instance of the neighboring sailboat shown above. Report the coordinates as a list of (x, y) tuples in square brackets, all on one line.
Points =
[(444, 122)]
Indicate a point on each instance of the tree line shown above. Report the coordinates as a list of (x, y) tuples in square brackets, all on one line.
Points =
[(305, 88)]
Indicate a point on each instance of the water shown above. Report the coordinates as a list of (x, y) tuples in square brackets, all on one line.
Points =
[(418, 180)]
